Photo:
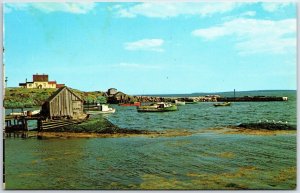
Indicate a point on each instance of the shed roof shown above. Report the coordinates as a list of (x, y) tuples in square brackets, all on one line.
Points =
[(60, 90)]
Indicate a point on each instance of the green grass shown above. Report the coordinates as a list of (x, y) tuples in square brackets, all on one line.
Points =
[(22, 97)]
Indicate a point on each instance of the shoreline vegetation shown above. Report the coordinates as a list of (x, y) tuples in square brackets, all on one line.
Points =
[(26, 98), (16, 97)]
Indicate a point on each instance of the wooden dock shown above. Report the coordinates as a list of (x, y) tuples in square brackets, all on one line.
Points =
[(20, 123)]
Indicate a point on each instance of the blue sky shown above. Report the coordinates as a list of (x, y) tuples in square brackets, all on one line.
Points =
[(151, 48)]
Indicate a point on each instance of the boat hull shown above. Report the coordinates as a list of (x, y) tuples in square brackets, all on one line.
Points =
[(190, 103), (137, 104), (151, 109), (222, 104)]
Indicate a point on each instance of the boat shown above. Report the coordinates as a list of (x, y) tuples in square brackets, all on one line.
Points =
[(137, 104), (157, 107), (190, 101), (26, 113), (35, 112), (222, 104), (99, 109), (179, 103), (17, 114)]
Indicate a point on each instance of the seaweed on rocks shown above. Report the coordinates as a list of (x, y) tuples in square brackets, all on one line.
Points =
[(98, 125), (267, 126)]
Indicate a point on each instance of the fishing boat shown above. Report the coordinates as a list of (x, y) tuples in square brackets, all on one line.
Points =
[(157, 107), (100, 109), (137, 104), (179, 103), (222, 104)]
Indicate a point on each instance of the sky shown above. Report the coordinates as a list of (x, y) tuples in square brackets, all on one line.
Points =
[(153, 48)]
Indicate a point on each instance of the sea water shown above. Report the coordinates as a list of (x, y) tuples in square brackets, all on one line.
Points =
[(204, 160)]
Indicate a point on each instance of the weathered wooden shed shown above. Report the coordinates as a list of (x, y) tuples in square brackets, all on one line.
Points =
[(63, 104)]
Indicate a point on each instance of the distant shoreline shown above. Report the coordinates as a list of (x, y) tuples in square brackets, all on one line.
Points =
[(210, 93)]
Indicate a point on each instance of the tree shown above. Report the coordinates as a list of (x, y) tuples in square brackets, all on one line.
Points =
[(101, 99)]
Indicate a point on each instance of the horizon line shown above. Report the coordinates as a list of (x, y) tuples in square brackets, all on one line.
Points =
[(215, 92)]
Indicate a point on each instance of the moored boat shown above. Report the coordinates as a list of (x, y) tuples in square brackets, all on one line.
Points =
[(222, 104), (137, 104), (17, 114), (157, 107), (26, 113), (190, 101), (101, 109)]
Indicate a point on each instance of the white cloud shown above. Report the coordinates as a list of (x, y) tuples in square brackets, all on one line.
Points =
[(145, 44), (255, 36), (165, 10), (77, 8), (273, 6)]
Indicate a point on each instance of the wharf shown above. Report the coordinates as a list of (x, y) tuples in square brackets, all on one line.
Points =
[(20, 123)]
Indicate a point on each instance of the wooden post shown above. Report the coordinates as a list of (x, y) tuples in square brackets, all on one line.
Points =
[(25, 125), (39, 123)]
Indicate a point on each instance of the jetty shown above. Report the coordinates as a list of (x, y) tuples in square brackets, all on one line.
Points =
[(62, 108), (252, 99)]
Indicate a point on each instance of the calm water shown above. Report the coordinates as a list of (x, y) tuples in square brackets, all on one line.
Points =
[(200, 161)]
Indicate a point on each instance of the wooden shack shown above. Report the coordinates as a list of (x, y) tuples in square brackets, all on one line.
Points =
[(63, 104)]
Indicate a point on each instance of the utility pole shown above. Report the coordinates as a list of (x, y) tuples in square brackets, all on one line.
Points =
[(234, 94)]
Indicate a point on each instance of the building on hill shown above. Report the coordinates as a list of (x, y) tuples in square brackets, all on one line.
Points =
[(112, 91), (119, 97), (40, 81)]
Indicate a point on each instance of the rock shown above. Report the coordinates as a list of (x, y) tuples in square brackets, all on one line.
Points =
[(267, 126)]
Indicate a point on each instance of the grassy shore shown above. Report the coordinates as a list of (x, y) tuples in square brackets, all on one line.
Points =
[(22, 97)]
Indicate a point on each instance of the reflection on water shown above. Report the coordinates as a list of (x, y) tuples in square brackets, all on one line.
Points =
[(201, 161), (207, 160)]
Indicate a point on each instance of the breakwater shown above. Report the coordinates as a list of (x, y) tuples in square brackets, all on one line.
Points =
[(251, 99), (211, 98)]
